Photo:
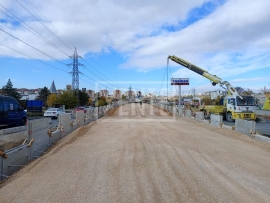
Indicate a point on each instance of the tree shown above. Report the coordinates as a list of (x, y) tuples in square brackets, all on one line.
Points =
[(83, 98), (248, 92), (206, 100), (8, 90), (265, 90), (240, 90), (52, 100), (90, 101), (68, 98), (124, 97), (43, 95)]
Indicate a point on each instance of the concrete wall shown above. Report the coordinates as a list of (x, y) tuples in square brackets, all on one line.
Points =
[(245, 127)]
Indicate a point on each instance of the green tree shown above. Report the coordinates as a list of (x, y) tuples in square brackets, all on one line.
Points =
[(52, 100), (124, 97), (43, 95), (206, 100), (68, 98), (8, 90), (83, 98)]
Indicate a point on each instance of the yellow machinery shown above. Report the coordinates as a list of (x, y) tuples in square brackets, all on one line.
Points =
[(266, 105), (234, 105)]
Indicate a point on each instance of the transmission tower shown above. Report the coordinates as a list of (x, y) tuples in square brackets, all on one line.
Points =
[(75, 71)]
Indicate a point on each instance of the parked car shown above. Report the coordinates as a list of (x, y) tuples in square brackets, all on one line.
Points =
[(11, 113), (81, 109), (53, 112)]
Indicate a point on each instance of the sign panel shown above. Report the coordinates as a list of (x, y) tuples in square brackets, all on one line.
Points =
[(68, 87), (83, 89), (179, 81)]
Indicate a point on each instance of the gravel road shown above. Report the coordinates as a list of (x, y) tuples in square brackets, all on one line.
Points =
[(145, 155)]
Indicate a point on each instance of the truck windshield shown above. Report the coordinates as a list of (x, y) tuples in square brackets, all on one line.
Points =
[(246, 101)]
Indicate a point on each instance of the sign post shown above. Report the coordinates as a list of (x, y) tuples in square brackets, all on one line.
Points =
[(179, 82)]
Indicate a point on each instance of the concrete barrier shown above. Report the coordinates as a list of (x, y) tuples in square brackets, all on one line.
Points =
[(96, 113), (216, 120), (175, 111), (245, 127), (55, 136), (180, 112), (188, 114), (262, 138), (38, 134), (64, 123), (13, 130), (199, 117), (79, 118), (16, 158)]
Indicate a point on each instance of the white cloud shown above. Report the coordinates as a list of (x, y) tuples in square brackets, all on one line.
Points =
[(233, 40)]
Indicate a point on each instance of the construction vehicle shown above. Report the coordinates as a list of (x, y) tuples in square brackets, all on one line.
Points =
[(232, 106)]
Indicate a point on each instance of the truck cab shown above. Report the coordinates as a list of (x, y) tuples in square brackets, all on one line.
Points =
[(240, 107), (11, 113)]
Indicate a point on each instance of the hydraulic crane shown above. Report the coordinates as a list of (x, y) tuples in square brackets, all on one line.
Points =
[(234, 105)]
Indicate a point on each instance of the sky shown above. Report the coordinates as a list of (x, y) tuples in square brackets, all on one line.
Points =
[(126, 43)]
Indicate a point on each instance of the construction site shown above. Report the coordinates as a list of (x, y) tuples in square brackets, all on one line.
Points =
[(153, 153)]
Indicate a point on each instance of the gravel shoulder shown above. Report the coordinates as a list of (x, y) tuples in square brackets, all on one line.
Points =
[(145, 155)]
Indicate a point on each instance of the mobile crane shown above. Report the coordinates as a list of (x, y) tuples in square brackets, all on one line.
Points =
[(233, 106)]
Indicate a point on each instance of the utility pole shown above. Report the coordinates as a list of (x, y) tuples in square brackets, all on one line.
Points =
[(130, 93), (75, 73)]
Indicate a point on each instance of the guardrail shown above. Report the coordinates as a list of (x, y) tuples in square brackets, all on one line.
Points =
[(40, 137)]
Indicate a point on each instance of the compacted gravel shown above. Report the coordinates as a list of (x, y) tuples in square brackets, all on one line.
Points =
[(145, 155)]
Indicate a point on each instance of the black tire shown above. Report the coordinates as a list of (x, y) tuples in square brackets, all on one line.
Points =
[(23, 122), (229, 117)]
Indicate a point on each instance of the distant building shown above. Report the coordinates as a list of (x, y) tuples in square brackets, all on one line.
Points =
[(129, 94), (91, 93), (117, 94), (214, 94), (53, 88), (104, 93)]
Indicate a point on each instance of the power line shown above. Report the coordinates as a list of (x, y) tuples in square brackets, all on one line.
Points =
[(50, 22), (32, 47), (43, 24), (101, 73), (32, 58), (35, 32), (60, 39)]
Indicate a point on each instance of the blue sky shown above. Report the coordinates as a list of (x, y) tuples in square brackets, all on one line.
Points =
[(127, 43)]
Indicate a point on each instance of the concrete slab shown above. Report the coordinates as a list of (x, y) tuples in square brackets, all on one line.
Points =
[(79, 118), (216, 120), (188, 114), (199, 116), (245, 127), (55, 136), (64, 123), (17, 157), (180, 112)]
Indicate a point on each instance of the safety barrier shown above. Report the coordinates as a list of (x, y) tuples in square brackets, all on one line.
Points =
[(41, 137), (243, 126), (216, 120)]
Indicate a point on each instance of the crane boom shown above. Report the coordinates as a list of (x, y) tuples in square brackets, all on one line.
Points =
[(213, 78)]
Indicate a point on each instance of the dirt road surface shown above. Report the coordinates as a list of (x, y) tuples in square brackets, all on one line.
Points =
[(145, 155)]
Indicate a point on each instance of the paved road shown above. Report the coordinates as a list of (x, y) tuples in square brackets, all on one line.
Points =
[(144, 155)]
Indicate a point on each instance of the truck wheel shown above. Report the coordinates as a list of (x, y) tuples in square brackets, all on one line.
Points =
[(229, 117)]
